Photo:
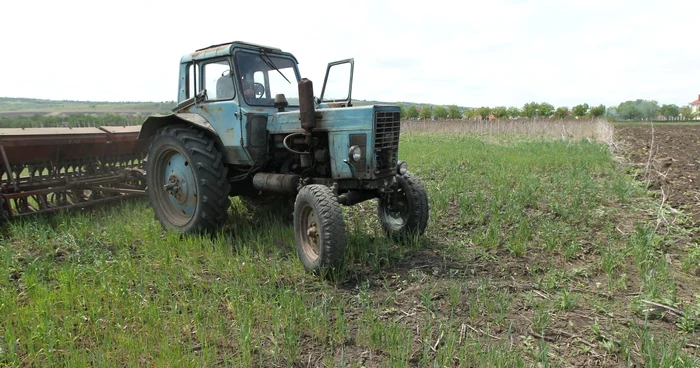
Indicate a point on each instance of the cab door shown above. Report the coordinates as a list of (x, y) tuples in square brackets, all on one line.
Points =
[(220, 108), (337, 85)]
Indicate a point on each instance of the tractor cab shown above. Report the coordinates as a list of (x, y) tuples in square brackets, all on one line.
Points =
[(247, 74)]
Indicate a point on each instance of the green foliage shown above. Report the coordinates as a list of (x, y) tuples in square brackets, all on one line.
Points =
[(469, 113), (687, 113), (426, 112), (580, 111), (33, 105), (513, 112), (403, 111), (73, 120), (561, 112), (440, 112), (637, 110), (454, 112), (501, 112), (597, 111), (529, 110), (412, 112), (669, 111), (534, 109), (545, 110), (483, 112)]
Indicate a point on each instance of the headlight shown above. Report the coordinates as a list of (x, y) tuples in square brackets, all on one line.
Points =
[(401, 167), (355, 153)]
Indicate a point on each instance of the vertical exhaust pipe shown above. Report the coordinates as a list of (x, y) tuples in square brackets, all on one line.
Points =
[(307, 112), (307, 115)]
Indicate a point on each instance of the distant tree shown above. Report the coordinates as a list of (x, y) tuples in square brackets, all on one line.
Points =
[(483, 112), (501, 112), (469, 113), (513, 112), (687, 113), (403, 111), (629, 110), (580, 111), (440, 112), (669, 111), (529, 110), (454, 112), (561, 112), (426, 112), (650, 109), (638, 110), (412, 112), (545, 110), (597, 111)]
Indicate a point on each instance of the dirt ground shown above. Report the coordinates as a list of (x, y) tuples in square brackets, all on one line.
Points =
[(667, 157)]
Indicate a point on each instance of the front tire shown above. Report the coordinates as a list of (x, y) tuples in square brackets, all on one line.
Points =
[(319, 228), (405, 212), (186, 178)]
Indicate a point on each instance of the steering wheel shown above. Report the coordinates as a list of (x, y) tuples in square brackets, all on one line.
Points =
[(259, 89)]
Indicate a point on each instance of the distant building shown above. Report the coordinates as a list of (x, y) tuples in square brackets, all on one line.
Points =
[(695, 106)]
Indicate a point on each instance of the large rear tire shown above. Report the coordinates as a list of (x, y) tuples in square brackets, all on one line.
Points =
[(319, 228), (405, 212), (186, 177)]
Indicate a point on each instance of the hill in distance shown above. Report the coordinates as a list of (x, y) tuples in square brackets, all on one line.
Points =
[(10, 106)]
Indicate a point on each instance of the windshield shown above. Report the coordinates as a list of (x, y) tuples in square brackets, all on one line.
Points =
[(260, 82)]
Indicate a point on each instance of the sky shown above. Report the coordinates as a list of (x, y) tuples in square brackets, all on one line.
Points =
[(467, 53)]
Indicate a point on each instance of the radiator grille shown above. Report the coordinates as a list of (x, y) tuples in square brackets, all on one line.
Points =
[(387, 127)]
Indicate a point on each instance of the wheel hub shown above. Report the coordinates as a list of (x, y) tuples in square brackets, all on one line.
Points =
[(177, 188), (311, 240), (396, 208)]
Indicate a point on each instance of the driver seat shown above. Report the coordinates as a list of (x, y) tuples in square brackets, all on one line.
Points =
[(224, 88)]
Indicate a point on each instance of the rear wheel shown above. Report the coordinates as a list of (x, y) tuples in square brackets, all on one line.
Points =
[(405, 211), (319, 228), (186, 179)]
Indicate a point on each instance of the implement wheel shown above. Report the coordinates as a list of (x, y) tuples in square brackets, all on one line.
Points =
[(405, 212), (319, 228), (186, 179)]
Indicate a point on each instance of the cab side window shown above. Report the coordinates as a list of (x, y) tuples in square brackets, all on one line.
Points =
[(192, 80), (218, 80)]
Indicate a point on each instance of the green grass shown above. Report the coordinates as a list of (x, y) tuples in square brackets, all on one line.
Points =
[(538, 253)]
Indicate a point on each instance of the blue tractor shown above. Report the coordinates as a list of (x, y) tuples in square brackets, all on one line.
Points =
[(248, 125)]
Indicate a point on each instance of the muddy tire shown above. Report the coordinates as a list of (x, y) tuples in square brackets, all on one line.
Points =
[(404, 213), (319, 228), (186, 179)]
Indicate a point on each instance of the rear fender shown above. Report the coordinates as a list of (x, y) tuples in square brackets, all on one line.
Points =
[(154, 123)]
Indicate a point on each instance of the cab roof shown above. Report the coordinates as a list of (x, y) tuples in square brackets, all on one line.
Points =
[(224, 49)]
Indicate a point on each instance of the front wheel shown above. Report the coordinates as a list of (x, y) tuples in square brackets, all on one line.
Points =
[(319, 228), (405, 211), (186, 179)]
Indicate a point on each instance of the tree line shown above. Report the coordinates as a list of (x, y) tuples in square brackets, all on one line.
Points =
[(73, 120), (628, 110)]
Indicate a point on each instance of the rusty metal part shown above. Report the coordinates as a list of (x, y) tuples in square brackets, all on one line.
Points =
[(50, 169), (278, 183), (307, 111)]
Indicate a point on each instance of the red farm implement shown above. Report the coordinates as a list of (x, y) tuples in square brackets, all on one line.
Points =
[(50, 169)]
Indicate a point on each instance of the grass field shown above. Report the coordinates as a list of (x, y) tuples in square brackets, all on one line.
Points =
[(538, 253)]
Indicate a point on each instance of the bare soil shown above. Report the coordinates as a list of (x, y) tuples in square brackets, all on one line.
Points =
[(668, 159)]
